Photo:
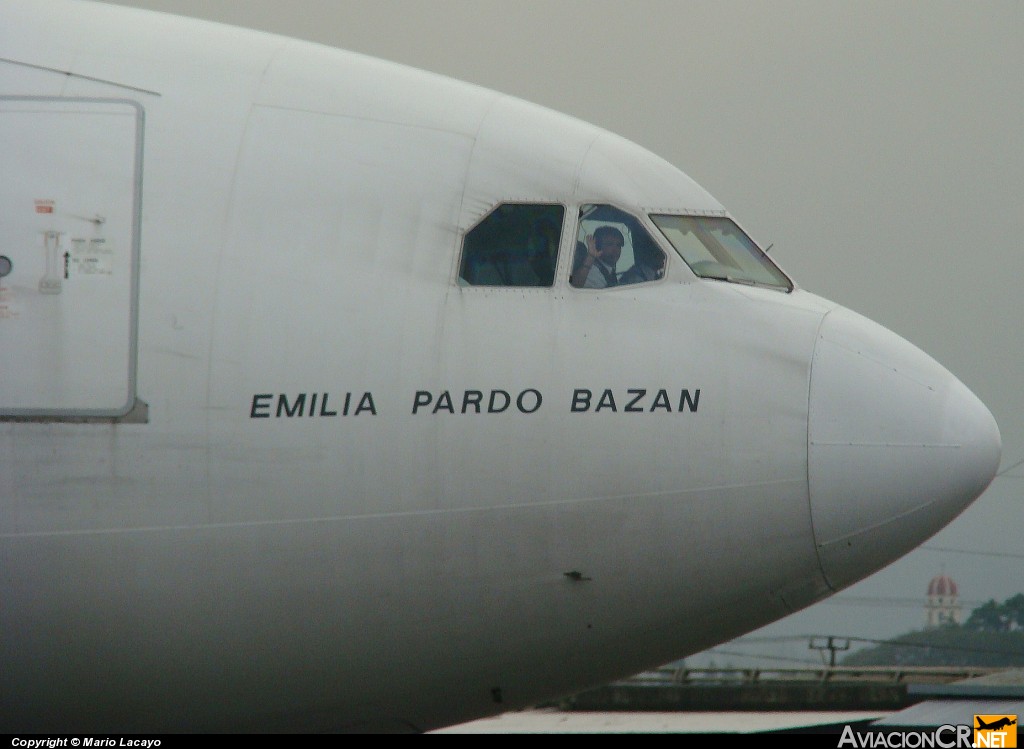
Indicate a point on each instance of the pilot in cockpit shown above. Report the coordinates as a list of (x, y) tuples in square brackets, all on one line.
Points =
[(597, 269), (649, 261)]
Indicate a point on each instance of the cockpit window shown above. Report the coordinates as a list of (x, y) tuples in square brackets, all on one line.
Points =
[(613, 249), (516, 244), (714, 247)]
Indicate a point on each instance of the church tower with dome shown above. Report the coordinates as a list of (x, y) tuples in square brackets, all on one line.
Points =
[(943, 605)]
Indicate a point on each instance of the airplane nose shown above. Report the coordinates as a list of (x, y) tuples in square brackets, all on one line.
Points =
[(896, 447)]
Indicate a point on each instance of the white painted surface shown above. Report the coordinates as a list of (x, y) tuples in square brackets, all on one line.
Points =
[(225, 565), (70, 219), (553, 721)]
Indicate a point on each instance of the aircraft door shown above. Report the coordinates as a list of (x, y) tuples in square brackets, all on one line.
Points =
[(69, 209)]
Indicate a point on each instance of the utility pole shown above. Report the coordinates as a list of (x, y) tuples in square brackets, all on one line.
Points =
[(831, 644)]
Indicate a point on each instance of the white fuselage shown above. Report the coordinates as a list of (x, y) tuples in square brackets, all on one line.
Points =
[(267, 464)]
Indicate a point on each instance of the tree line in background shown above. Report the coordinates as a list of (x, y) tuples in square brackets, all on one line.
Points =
[(993, 635)]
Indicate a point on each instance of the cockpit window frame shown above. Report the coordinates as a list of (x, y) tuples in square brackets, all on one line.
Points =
[(642, 222), (722, 274), (461, 261)]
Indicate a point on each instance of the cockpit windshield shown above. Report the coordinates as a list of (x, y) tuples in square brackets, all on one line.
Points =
[(715, 247)]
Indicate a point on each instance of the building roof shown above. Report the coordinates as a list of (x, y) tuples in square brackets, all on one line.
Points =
[(942, 585)]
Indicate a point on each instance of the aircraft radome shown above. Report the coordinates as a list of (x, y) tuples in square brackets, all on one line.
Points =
[(338, 395)]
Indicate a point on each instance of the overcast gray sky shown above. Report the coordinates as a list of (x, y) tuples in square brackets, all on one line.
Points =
[(879, 145)]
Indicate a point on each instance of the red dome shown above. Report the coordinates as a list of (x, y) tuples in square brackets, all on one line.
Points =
[(941, 585)]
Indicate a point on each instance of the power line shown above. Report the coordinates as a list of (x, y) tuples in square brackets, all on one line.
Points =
[(884, 603), (869, 641), (761, 657), (957, 648), (1010, 468), (947, 550)]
